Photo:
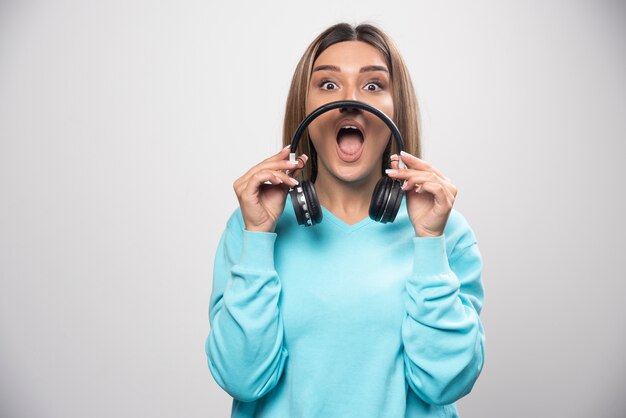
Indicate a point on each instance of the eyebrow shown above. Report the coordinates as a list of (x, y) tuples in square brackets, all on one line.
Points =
[(365, 69)]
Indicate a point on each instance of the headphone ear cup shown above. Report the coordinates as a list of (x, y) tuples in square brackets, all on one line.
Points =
[(298, 200), (386, 200), (379, 197), (305, 204), (395, 201), (315, 209)]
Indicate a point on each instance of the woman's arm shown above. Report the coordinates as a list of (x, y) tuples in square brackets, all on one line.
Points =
[(245, 345), (442, 333)]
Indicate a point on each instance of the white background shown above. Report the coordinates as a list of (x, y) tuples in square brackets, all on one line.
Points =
[(124, 123)]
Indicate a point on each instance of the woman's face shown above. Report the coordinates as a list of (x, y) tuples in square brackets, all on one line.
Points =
[(350, 142)]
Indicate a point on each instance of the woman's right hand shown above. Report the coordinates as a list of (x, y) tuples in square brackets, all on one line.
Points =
[(262, 191)]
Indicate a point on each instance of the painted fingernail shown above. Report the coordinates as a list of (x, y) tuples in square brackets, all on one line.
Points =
[(391, 171)]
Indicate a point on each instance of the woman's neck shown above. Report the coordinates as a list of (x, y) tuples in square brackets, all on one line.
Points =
[(348, 201)]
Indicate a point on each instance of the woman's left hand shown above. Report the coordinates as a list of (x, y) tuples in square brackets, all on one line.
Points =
[(429, 194)]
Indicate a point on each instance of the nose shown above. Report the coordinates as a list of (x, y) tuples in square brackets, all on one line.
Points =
[(348, 110), (350, 92)]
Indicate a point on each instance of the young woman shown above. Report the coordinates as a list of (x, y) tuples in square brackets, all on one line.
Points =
[(350, 317)]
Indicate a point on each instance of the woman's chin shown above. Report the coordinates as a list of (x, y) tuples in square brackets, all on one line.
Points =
[(352, 169), (351, 172)]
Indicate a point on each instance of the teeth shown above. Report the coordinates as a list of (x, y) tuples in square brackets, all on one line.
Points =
[(349, 127)]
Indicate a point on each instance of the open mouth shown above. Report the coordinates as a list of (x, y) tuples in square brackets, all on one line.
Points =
[(349, 143)]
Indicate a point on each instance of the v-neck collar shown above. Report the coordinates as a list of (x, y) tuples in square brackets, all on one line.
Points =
[(328, 215)]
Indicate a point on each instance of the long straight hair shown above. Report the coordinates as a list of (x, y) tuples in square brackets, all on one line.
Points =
[(406, 111)]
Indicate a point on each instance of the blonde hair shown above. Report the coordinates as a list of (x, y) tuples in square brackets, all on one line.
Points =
[(406, 111)]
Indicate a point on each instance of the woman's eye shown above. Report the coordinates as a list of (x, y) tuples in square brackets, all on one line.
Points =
[(328, 85), (373, 86)]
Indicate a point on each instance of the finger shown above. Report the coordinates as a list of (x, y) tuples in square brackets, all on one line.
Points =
[(280, 155), (261, 177), (394, 161), (277, 179), (442, 196), (303, 160), (414, 162), (274, 165), (408, 173), (413, 177), (450, 189), (285, 178), (277, 165), (454, 191), (269, 164)]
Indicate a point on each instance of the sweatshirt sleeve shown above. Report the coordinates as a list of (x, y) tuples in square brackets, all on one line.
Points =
[(442, 333), (244, 348)]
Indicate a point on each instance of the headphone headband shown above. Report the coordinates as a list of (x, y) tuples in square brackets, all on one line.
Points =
[(353, 104), (388, 193)]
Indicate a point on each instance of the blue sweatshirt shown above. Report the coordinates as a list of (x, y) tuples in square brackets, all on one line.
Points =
[(339, 320)]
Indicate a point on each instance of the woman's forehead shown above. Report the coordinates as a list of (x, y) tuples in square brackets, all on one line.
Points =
[(350, 54)]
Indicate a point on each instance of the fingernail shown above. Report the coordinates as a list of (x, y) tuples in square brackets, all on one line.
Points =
[(405, 154), (288, 146), (393, 157), (293, 162), (293, 181), (391, 171)]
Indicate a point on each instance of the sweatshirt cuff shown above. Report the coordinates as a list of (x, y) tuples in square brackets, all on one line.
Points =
[(257, 250), (430, 258)]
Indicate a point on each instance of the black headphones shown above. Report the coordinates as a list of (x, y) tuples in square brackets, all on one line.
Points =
[(388, 192)]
